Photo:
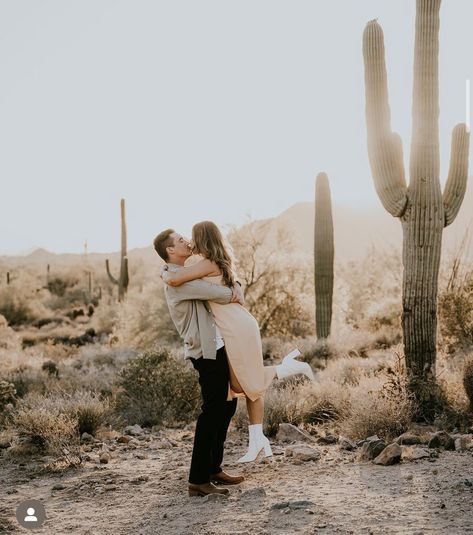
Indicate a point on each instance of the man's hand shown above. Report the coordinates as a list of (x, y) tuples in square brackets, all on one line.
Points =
[(237, 295)]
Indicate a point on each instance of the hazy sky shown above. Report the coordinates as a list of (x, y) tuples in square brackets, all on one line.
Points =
[(196, 110)]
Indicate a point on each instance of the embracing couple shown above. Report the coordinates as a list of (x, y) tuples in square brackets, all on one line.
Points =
[(223, 342)]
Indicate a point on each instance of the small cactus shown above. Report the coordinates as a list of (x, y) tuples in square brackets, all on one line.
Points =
[(468, 382), (123, 278)]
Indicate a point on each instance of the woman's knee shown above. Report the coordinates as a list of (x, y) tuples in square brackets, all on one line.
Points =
[(236, 388)]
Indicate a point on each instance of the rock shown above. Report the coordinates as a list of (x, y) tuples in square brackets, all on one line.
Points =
[(441, 439), (141, 456), (327, 439), (371, 448), (291, 433), (86, 437), (124, 439), (140, 479), (412, 453), (464, 443), (134, 430), (104, 457), (410, 438), (346, 444), (59, 486), (253, 494), (302, 452), (463, 483), (390, 455), (299, 504), (215, 497)]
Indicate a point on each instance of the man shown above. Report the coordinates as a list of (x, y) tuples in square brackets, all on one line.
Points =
[(204, 346)]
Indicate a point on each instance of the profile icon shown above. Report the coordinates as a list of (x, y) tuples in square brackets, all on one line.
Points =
[(31, 514)]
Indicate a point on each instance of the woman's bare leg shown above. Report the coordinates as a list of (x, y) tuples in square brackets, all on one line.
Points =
[(255, 408)]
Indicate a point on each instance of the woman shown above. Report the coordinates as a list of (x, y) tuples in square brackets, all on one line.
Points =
[(212, 260)]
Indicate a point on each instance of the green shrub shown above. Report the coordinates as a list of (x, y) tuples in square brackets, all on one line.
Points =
[(156, 388)]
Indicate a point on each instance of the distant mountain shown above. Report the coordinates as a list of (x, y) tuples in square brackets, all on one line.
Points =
[(356, 229)]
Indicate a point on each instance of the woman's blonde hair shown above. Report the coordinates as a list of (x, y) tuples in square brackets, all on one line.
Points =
[(210, 243)]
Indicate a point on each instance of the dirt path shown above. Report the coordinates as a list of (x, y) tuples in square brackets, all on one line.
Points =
[(143, 490)]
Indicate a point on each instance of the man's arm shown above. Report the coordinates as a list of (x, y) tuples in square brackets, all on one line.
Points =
[(202, 291)]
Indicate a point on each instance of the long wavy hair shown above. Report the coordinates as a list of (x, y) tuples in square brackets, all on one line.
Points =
[(210, 243)]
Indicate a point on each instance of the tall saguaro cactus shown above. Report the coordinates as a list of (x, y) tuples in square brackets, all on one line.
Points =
[(422, 208), (123, 278), (323, 256)]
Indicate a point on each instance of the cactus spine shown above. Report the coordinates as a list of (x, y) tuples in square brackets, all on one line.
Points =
[(323, 256), (421, 207), (123, 278)]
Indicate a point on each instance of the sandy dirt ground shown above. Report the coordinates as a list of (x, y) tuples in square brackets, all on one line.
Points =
[(143, 490)]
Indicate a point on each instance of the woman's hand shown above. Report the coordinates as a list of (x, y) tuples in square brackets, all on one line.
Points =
[(165, 275), (237, 295)]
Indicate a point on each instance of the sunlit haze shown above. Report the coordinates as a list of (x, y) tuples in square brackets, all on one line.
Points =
[(196, 110)]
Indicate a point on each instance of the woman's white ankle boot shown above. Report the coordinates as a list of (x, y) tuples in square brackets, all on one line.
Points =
[(290, 366), (258, 442)]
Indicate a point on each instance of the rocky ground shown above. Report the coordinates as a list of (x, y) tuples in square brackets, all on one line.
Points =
[(310, 486)]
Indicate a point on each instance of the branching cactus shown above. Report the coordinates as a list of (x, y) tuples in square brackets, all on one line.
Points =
[(323, 256), (123, 278), (422, 208)]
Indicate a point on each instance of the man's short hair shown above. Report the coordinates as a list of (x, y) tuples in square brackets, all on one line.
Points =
[(163, 240)]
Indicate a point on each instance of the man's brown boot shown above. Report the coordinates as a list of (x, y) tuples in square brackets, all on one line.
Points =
[(226, 479), (204, 489)]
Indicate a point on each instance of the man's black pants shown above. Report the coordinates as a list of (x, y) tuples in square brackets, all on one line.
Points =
[(213, 421)]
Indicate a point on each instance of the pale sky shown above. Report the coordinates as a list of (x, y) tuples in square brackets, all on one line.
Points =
[(196, 109)]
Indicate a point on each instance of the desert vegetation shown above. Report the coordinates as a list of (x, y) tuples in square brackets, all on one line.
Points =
[(91, 366)]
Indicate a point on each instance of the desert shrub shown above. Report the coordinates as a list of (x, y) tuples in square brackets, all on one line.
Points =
[(7, 400), (89, 409), (28, 380), (50, 367), (7, 394), (455, 306), (373, 410), (43, 426), (156, 387), (14, 307), (357, 397), (143, 319), (58, 285), (94, 368), (371, 290), (468, 382), (53, 424), (280, 405), (277, 283), (9, 339)]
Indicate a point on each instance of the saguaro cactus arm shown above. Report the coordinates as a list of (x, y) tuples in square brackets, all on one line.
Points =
[(384, 146), (109, 273), (455, 186)]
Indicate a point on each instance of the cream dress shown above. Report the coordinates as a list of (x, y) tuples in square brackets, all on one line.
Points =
[(240, 332)]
